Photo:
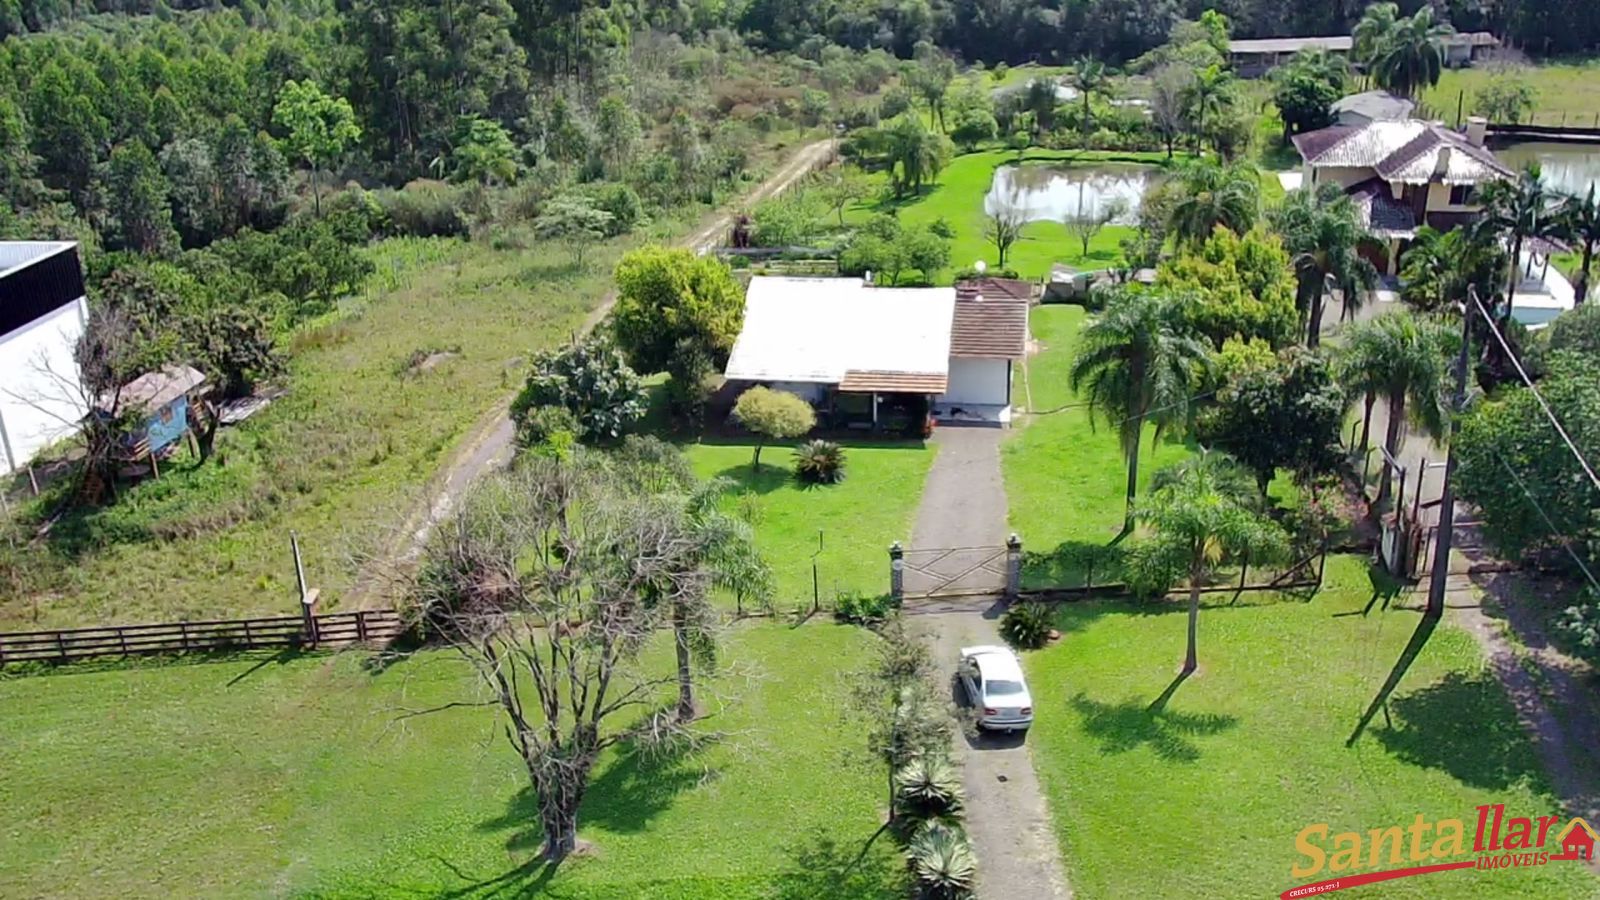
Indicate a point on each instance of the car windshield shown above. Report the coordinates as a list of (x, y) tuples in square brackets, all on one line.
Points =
[(1002, 688)]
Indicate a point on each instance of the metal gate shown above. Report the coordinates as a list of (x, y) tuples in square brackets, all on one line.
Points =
[(920, 573)]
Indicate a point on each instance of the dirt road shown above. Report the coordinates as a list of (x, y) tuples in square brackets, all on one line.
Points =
[(490, 443)]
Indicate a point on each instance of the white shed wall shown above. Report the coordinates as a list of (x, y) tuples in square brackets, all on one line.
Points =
[(37, 407), (977, 381)]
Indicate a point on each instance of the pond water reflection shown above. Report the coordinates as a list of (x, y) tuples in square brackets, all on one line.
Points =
[(1569, 168), (1049, 193)]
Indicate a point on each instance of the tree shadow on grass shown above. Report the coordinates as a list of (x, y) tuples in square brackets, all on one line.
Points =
[(1073, 564), (1464, 726), (823, 869), (1125, 726), (764, 480)]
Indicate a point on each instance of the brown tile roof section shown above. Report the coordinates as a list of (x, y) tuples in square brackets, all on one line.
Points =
[(990, 329), (857, 381), (995, 288)]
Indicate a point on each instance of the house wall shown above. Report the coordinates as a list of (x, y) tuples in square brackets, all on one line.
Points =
[(1439, 201), (40, 401), (977, 381), (1344, 177)]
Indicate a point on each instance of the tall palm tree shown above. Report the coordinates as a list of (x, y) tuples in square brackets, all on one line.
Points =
[(1138, 364), (1088, 78), (1519, 210), (1403, 358), (1373, 32), (1439, 266), (1580, 224), (1410, 57), (1208, 99), (1201, 521), (1322, 231), (1209, 195)]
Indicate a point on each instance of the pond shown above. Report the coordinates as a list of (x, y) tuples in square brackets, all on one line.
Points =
[(1569, 168), (1053, 193)]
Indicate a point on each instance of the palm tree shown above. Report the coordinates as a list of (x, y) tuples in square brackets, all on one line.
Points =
[(1440, 265), (1580, 223), (1322, 230), (1208, 98), (1201, 519), (1209, 195), (1403, 358), (1519, 210), (1409, 58), (1138, 364), (1088, 77), (1373, 32)]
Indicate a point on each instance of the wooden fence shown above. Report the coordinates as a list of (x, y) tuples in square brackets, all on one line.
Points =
[(327, 629)]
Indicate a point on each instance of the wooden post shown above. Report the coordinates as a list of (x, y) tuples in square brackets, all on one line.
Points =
[(183, 635), (897, 572), (33, 480), (154, 468)]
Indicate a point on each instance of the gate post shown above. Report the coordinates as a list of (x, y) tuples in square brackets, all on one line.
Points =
[(1013, 566), (897, 573)]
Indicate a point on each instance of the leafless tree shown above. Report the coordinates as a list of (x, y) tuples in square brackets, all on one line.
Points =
[(1005, 229), (549, 583), (1169, 101), (1088, 223)]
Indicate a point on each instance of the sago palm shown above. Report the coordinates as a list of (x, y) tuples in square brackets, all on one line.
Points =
[(1199, 519), (1411, 56), (1137, 363), (1403, 358), (942, 859), (1210, 195), (1322, 231)]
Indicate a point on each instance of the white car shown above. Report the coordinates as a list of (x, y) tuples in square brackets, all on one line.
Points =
[(993, 680)]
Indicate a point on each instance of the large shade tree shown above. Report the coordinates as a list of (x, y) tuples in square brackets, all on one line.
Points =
[(1138, 364), (1402, 358), (1203, 515), (1322, 231), (1211, 195)]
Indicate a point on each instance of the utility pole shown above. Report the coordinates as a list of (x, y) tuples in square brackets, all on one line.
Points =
[(1447, 501)]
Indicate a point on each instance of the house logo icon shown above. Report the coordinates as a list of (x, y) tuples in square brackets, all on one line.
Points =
[(1577, 841)]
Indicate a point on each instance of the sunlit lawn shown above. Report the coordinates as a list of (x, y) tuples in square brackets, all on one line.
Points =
[(1203, 797), (1565, 92), (957, 198), (857, 519), (1065, 478), (291, 776)]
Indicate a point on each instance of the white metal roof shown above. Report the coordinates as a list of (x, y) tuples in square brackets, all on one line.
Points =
[(816, 329)]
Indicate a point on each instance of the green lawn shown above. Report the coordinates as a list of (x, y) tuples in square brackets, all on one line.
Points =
[(957, 198), (1064, 476), (290, 776), (1204, 797), (874, 506), (1565, 91)]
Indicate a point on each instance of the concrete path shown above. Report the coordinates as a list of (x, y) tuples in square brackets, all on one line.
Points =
[(964, 505)]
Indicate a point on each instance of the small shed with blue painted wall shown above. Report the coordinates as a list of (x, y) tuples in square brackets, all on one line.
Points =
[(158, 406)]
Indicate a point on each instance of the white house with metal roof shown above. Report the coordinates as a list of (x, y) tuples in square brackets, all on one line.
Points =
[(43, 312), (853, 349)]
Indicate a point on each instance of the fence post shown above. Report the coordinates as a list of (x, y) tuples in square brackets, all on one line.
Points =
[(897, 573), (1013, 566)]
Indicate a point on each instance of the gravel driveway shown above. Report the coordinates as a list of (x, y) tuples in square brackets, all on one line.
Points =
[(964, 505)]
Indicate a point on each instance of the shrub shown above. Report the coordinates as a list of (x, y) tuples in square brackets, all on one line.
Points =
[(862, 609), (589, 380), (928, 789), (1581, 624), (819, 462), (941, 857), (1026, 625), (424, 209), (624, 205), (551, 430), (772, 414)]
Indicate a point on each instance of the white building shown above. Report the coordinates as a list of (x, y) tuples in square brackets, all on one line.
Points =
[(852, 348), (43, 312)]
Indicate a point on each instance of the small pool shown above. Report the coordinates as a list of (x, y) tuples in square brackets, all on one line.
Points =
[(1056, 193)]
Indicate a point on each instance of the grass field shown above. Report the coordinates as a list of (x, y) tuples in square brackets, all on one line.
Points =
[(1203, 795), (957, 198), (1565, 91), (289, 776), (1064, 477), (858, 519)]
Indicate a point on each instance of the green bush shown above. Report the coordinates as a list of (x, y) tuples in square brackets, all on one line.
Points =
[(1026, 625), (819, 462), (862, 609), (941, 858), (424, 209), (928, 789), (549, 429)]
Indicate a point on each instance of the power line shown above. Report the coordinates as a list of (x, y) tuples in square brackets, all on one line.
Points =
[(1554, 532), (1549, 413)]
